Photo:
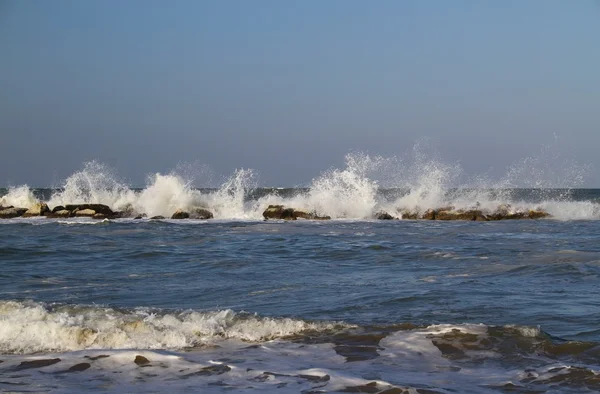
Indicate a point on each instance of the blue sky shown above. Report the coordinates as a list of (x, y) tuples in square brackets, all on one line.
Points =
[(288, 88)]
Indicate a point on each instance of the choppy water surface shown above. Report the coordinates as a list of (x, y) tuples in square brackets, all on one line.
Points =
[(306, 306)]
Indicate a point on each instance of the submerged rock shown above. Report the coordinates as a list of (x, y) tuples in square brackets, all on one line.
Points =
[(38, 209), (10, 213), (157, 217)]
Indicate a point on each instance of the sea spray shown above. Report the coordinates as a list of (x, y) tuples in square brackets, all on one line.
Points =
[(415, 181), (165, 194), (94, 184), (229, 201), (19, 196), (347, 193)]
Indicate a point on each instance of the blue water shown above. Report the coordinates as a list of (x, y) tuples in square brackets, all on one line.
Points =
[(526, 290)]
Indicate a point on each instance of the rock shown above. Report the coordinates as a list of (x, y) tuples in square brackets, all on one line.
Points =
[(383, 216), (10, 213), (99, 216), (429, 214), (157, 217), (58, 208), (98, 208), (461, 215), (538, 214), (39, 209), (406, 214), (273, 212), (79, 367), (63, 213), (201, 213), (141, 360), (138, 217), (128, 211), (179, 214), (85, 212), (281, 212)]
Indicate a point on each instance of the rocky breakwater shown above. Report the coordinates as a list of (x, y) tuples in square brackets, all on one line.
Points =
[(503, 212), (283, 213), (94, 211)]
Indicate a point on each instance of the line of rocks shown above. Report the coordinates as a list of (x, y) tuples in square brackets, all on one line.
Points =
[(94, 211), (101, 211), (281, 212), (503, 212)]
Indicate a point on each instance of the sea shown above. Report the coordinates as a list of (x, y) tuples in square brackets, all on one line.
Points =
[(347, 305)]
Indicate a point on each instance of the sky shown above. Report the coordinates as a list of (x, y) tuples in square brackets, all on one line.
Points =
[(288, 88)]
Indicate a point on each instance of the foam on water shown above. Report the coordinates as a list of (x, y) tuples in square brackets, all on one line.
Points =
[(466, 358), (30, 327)]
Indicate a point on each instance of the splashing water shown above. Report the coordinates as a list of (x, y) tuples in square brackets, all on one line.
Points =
[(21, 197), (95, 184), (416, 181)]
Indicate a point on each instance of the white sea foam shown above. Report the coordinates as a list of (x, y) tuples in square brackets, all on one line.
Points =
[(21, 197), (407, 360), (29, 327)]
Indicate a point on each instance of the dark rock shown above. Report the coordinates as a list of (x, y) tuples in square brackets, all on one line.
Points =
[(10, 213), (384, 216), (538, 214), (138, 217), (36, 363), (98, 208), (281, 212), (179, 214), (79, 367), (157, 217), (97, 357), (128, 211), (58, 208), (429, 214), (99, 216), (141, 360), (408, 214), (273, 212), (461, 215), (201, 213)]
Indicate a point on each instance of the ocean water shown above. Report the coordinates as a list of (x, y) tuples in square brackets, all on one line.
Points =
[(353, 304)]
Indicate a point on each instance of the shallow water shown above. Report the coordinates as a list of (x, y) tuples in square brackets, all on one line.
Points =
[(313, 306)]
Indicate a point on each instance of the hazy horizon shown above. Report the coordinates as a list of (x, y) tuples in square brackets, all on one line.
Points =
[(288, 89)]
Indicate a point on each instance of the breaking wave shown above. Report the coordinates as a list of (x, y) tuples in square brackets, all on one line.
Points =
[(416, 182), (31, 327)]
